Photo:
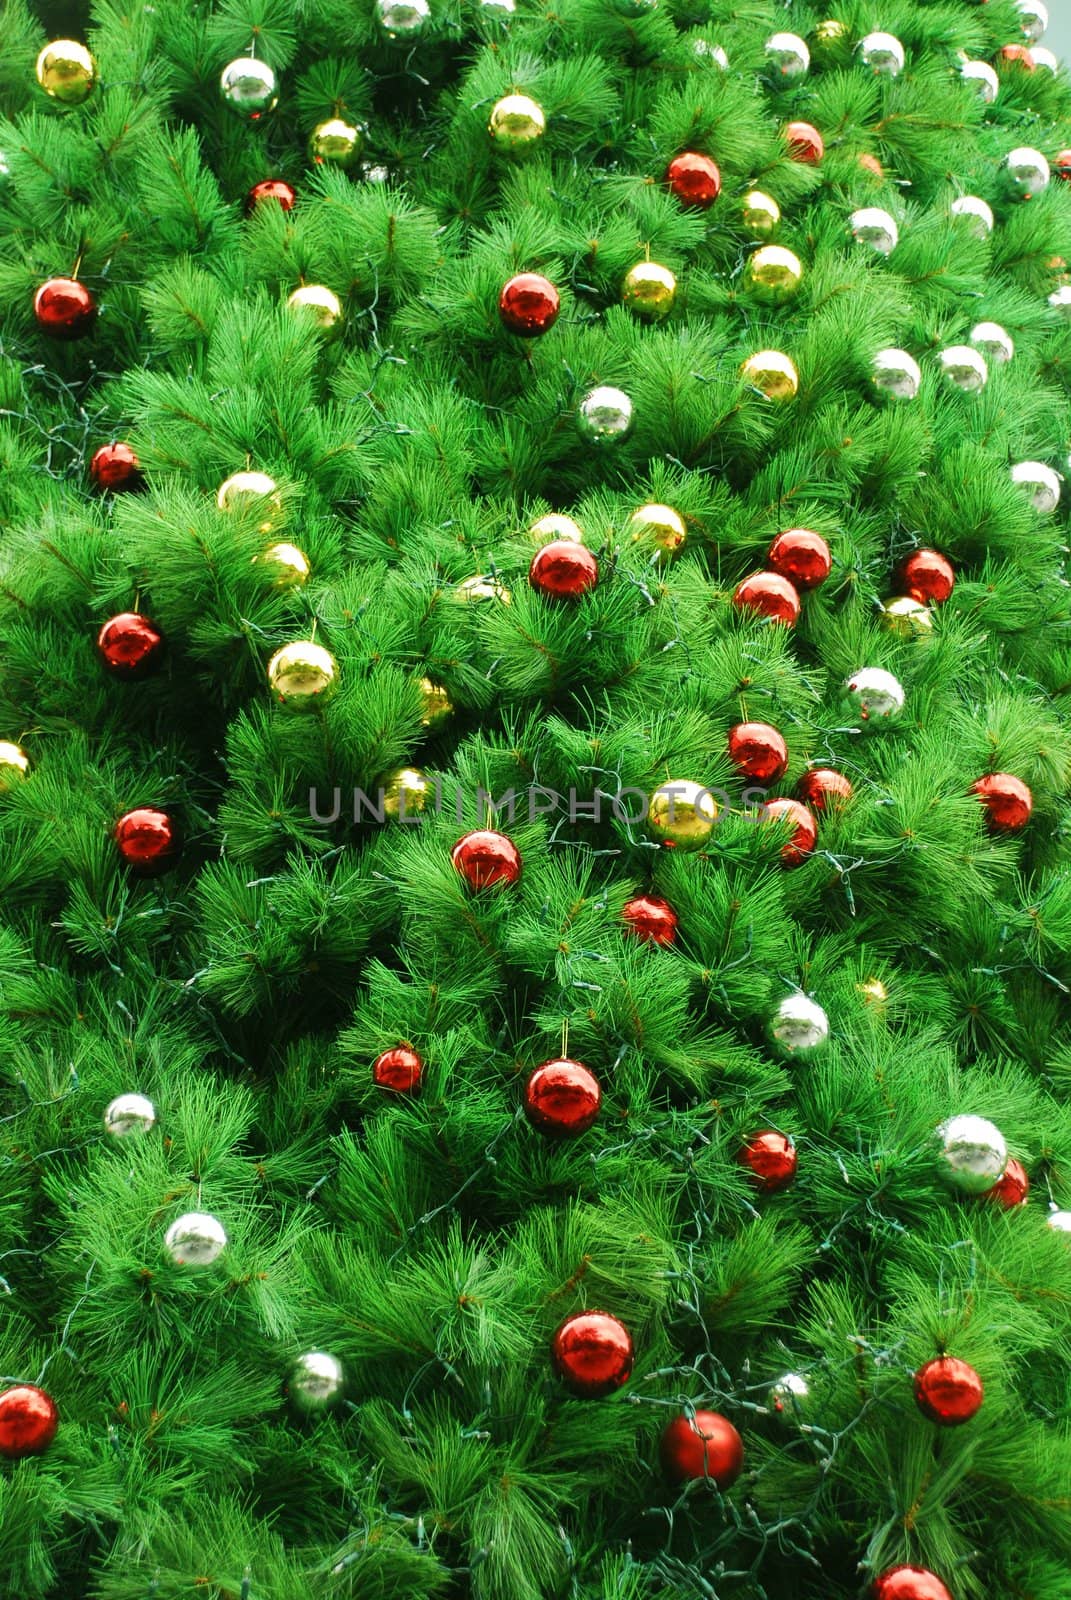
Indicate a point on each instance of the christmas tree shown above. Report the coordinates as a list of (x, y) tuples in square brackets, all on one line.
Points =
[(536, 711)]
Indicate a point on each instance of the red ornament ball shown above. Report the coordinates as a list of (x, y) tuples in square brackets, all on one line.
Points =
[(804, 833), (115, 466), (948, 1391), (130, 645), (801, 556), (592, 1353), (758, 751), (485, 857), (823, 788), (529, 304), (771, 596), (147, 839), (909, 1583), (694, 179), (1018, 53), (276, 189), (1062, 165), (28, 1421), (563, 569), (928, 576), (771, 1159), (64, 308), (1012, 1189), (871, 163), (1007, 800), (562, 1098), (399, 1069), (650, 917), (704, 1445), (805, 143)]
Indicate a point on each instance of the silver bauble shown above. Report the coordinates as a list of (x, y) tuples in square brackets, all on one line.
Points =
[(1060, 300), (316, 1382), (498, 9), (1059, 1221), (5, 172), (128, 1114), (896, 374), (978, 211), (973, 1153), (882, 52), (964, 368), (195, 1239), (1035, 19), (604, 415), (985, 80), (249, 87), (875, 227), (402, 19), (875, 696), (1045, 59), (1026, 171), (1041, 483), (788, 55), (798, 1027), (789, 1398), (995, 342), (703, 50)]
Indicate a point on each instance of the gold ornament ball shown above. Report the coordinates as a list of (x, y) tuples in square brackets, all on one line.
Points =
[(874, 993), (405, 794), (14, 764), (437, 705), (772, 372), (475, 590), (773, 274), (556, 525), (320, 304), (682, 814), (290, 566), (302, 675), (829, 38), (336, 142), (649, 290), (660, 526), (907, 617), (760, 214), (242, 488), (66, 71), (517, 122)]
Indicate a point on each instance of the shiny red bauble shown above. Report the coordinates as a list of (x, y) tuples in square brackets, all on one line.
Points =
[(147, 839), (703, 1445), (823, 789), (909, 1583), (400, 1069), (1007, 800), (801, 556), (276, 189), (592, 1353), (771, 1159), (805, 143), (529, 304), (928, 576), (758, 751), (485, 857), (115, 466), (694, 179), (948, 1391), (130, 645), (804, 834), (562, 1098), (28, 1421), (64, 308), (1012, 1189), (1062, 165), (650, 917), (563, 569), (770, 595)]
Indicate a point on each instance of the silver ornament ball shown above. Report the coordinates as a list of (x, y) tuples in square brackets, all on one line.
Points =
[(789, 1398), (604, 415), (703, 50), (896, 374), (882, 52), (195, 1239), (1059, 1221), (1026, 171), (129, 1114), (798, 1027), (1045, 59), (985, 80), (973, 1154), (249, 87), (978, 212), (787, 55), (964, 368), (316, 1382), (1035, 19), (1041, 483), (1060, 300), (875, 227), (402, 19), (875, 696), (995, 342), (5, 172)]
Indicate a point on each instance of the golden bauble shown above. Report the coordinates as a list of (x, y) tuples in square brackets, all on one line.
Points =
[(320, 304), (289, 565), (516, 123), (760, 214), (556, 525), (682, 814), (874, 993), (14, 764), (907, 617), (476, 589), (659, 526), (649, 290), (66, 71), (302, 675), (242, 489), (405, 793), (337, 142), (773, 274), (436, 702), (773, 373), (829, 37)]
